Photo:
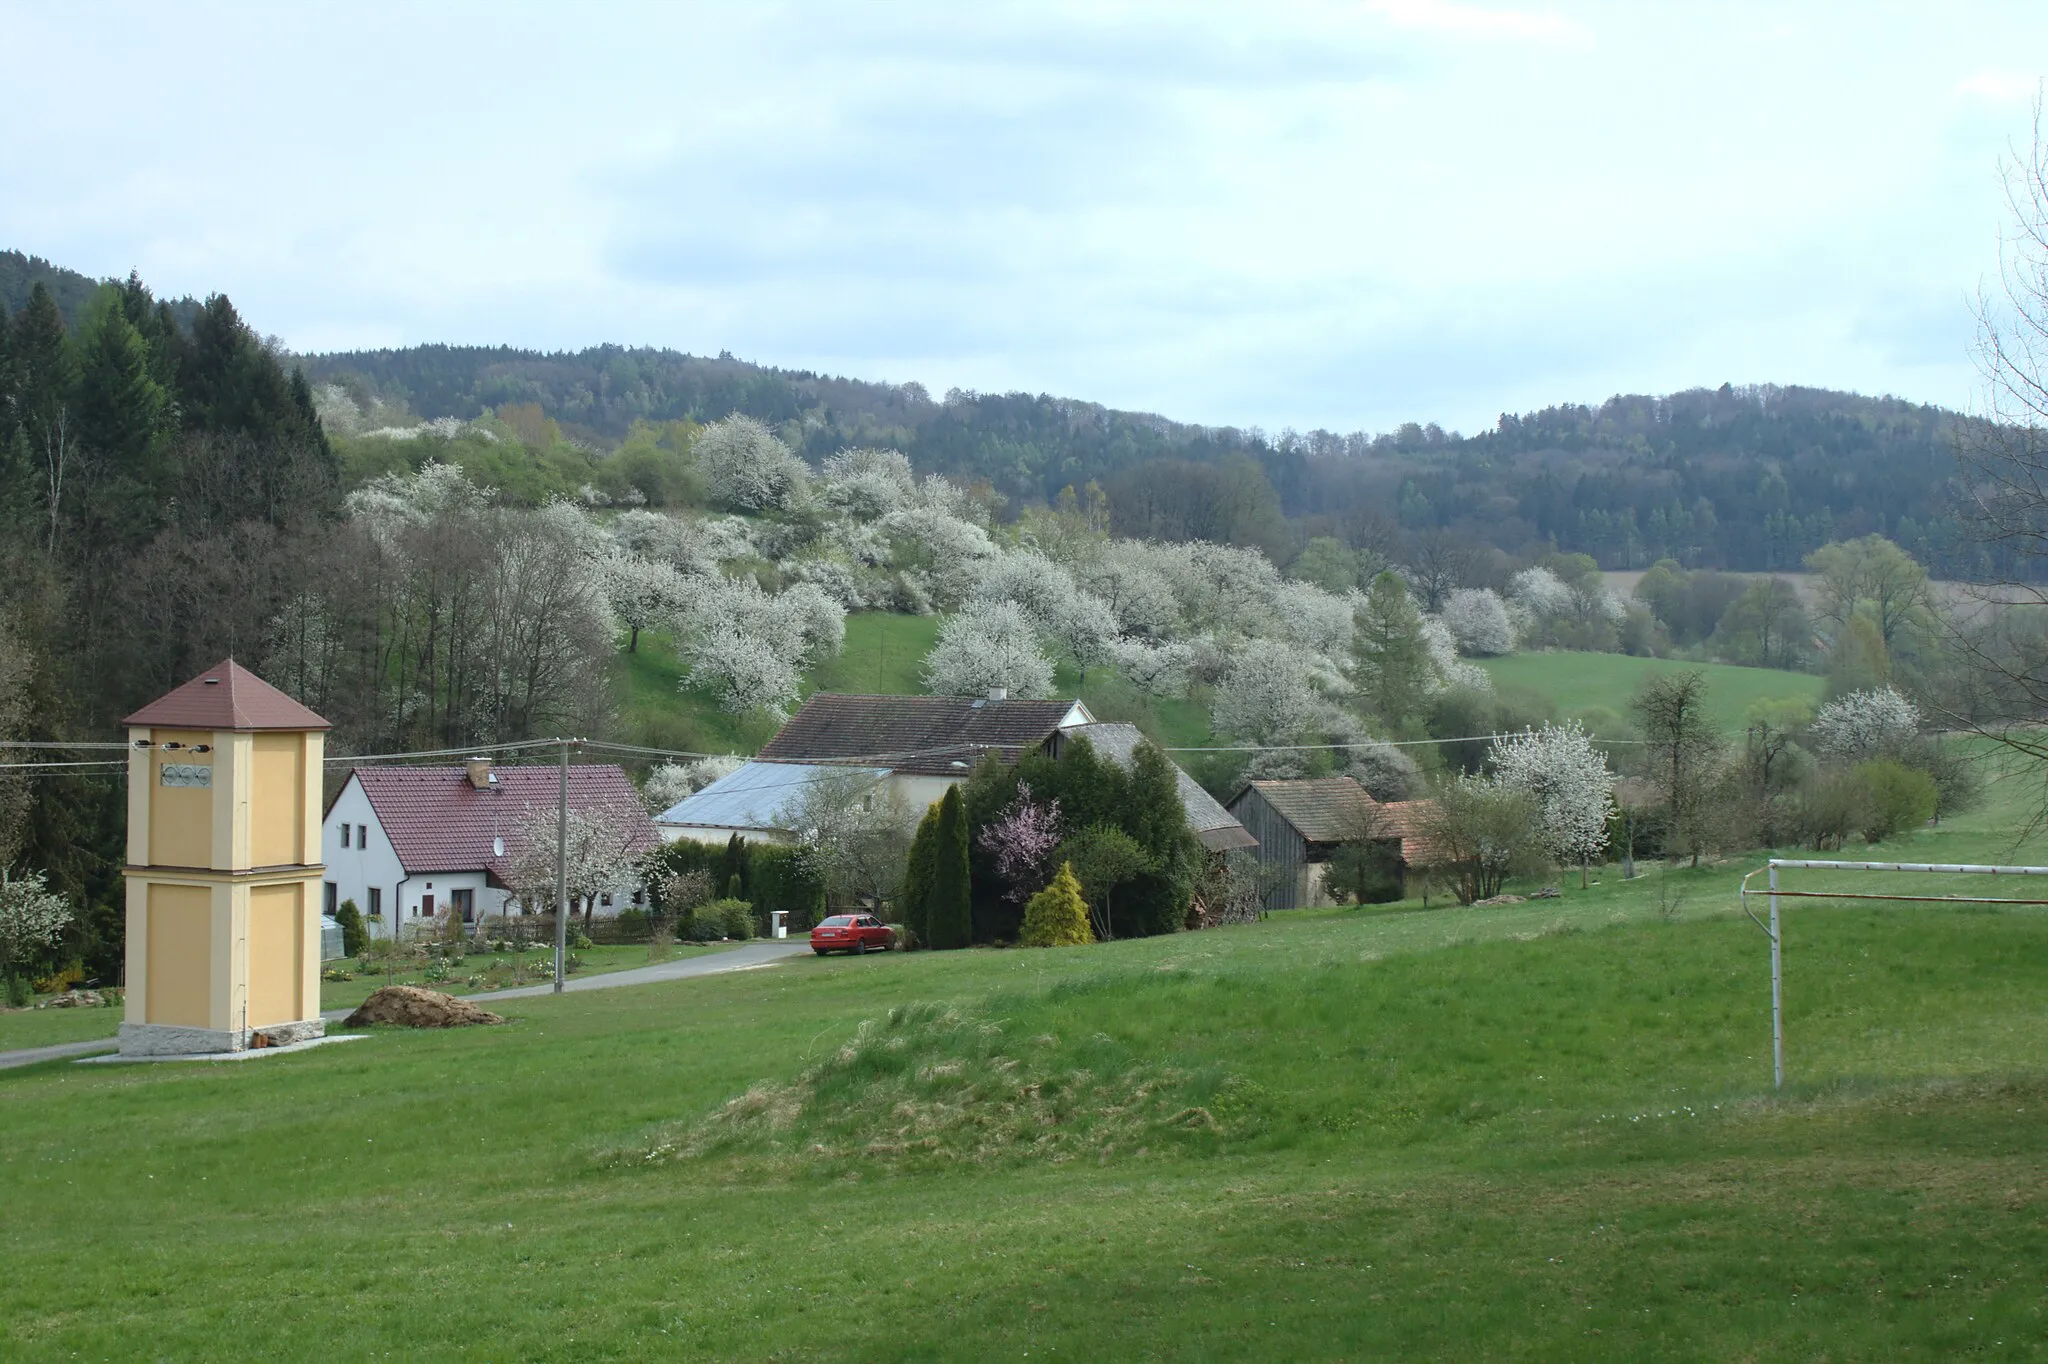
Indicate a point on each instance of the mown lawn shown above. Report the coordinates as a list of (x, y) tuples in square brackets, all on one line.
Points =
[(1582, 681), (1534, 1131)]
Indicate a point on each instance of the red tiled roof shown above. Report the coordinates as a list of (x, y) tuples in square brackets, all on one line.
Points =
[(226, 696), (437, 821), (1410, 819), (932, 735)]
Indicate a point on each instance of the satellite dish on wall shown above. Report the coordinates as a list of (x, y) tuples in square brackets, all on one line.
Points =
[(498, 847)]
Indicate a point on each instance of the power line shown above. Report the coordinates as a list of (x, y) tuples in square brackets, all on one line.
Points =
[(1367, 743)]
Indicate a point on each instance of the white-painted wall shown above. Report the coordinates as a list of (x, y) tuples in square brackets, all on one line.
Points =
[(354, 870)]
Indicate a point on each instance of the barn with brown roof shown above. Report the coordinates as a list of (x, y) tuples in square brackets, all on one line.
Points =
[(1300, 824)]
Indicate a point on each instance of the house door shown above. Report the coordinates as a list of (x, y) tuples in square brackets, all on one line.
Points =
[(465, 901)]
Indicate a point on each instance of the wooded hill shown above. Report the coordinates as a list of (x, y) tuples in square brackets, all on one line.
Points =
[(1742, 478), (1749, 478)]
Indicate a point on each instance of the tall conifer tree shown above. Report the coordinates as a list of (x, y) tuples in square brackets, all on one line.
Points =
[(952, 904)]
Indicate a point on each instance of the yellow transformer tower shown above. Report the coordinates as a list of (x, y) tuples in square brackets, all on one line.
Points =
[(224, 872)]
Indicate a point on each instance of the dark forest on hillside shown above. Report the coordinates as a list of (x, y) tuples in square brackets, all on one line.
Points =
[(1740, 478)]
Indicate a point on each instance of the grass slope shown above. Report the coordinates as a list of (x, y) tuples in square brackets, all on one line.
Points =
[(883, 655), (1533, 1131), (1581, 681)]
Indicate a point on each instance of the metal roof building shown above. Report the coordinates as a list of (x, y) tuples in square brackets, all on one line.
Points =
[(758, 800)]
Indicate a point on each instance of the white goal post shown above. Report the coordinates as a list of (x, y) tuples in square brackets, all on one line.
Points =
[(1777, 864)]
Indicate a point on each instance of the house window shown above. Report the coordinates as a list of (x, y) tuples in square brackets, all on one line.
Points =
[(605, 899), (376, 902), (640, 897), (362, 835), (344, 835), (426, 906), (465, 901), (333, 900)]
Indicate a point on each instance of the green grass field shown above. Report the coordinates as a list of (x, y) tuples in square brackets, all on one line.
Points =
[(1581, 681), (1532, 1131)]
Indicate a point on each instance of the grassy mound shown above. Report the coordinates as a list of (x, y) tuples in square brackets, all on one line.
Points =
[(930, 1085)]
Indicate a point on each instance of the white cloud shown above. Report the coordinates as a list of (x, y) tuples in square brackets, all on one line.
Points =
[(1477, 21), (2000, 87)]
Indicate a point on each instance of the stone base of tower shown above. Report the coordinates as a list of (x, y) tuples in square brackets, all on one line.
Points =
[(166, 1039)]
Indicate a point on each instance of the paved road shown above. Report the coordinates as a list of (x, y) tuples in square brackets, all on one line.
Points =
[(716, 963), (764, 953)]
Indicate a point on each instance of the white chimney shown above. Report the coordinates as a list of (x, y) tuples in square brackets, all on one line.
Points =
[(998, 693), (480, 773)]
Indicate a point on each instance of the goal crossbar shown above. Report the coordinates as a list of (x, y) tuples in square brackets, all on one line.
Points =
[(1775, 894)]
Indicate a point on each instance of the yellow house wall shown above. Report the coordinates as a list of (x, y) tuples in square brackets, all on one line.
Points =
[(277, 942), (276, 800), (181, 818), (180, 982)]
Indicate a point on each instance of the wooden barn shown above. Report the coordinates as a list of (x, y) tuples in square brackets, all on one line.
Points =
[(1300, 824)]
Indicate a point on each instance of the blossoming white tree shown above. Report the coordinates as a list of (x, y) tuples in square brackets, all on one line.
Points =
[(1865, 724), (1268, 697), (1478, 620), (643, 593), (746, 467), (669, 783), (32, 918), (752, 648), (868, 484), (1558, 768), (988, 644)]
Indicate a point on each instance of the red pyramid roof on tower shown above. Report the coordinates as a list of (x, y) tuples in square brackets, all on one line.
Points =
[(226, 696)]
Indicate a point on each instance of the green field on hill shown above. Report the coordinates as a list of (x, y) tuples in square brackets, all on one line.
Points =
[(1578, 682), (883, 655), (1536, 1130)]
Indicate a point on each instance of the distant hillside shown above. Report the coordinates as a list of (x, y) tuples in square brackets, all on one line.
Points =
[(1748, 478), (20, 273), (1745, 478)]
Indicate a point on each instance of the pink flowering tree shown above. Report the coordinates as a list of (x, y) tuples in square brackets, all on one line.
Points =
[(1020, 841)]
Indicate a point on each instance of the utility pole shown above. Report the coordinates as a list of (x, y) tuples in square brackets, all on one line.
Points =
[(562, 870)]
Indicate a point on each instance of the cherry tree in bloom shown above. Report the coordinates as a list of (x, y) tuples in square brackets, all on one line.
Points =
[(669, 783), (868, 484), (1157, 669), (746, 467), (1312, 618), (643, 593), (1865, 724), (1268, 696), (752, 648), (1478, 620), (32, 919), (1558, 768), (1022, 841), (988, 644), (1450, 670), (1139, 596)]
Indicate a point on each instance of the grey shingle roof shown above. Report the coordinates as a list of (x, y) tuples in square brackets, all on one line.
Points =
[(1214, 825), (926, 735)]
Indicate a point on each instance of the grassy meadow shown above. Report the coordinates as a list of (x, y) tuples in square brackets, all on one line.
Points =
[(1579, 682), (1538, 1130)]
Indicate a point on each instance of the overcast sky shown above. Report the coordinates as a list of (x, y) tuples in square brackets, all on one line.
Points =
[(1343, 216)]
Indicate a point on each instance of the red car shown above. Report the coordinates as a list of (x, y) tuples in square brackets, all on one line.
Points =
[(852, 933)]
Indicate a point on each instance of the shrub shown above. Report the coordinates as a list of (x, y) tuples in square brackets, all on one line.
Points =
[(735, 918), (631, 924), (353, 935), (580, 940), (1900, 798), (1056, 916)]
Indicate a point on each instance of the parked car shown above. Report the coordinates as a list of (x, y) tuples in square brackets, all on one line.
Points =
[(852, 933)]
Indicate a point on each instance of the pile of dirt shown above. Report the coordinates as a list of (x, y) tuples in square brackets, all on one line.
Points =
[(933, 1085), (408, 1006)]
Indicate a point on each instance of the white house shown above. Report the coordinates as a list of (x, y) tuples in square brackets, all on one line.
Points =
[(405, 843)]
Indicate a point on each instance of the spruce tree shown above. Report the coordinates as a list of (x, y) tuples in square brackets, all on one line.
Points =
[(951, 905), (1393, 660)]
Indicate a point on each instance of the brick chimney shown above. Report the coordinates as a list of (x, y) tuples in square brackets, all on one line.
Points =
[(480, 773)]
